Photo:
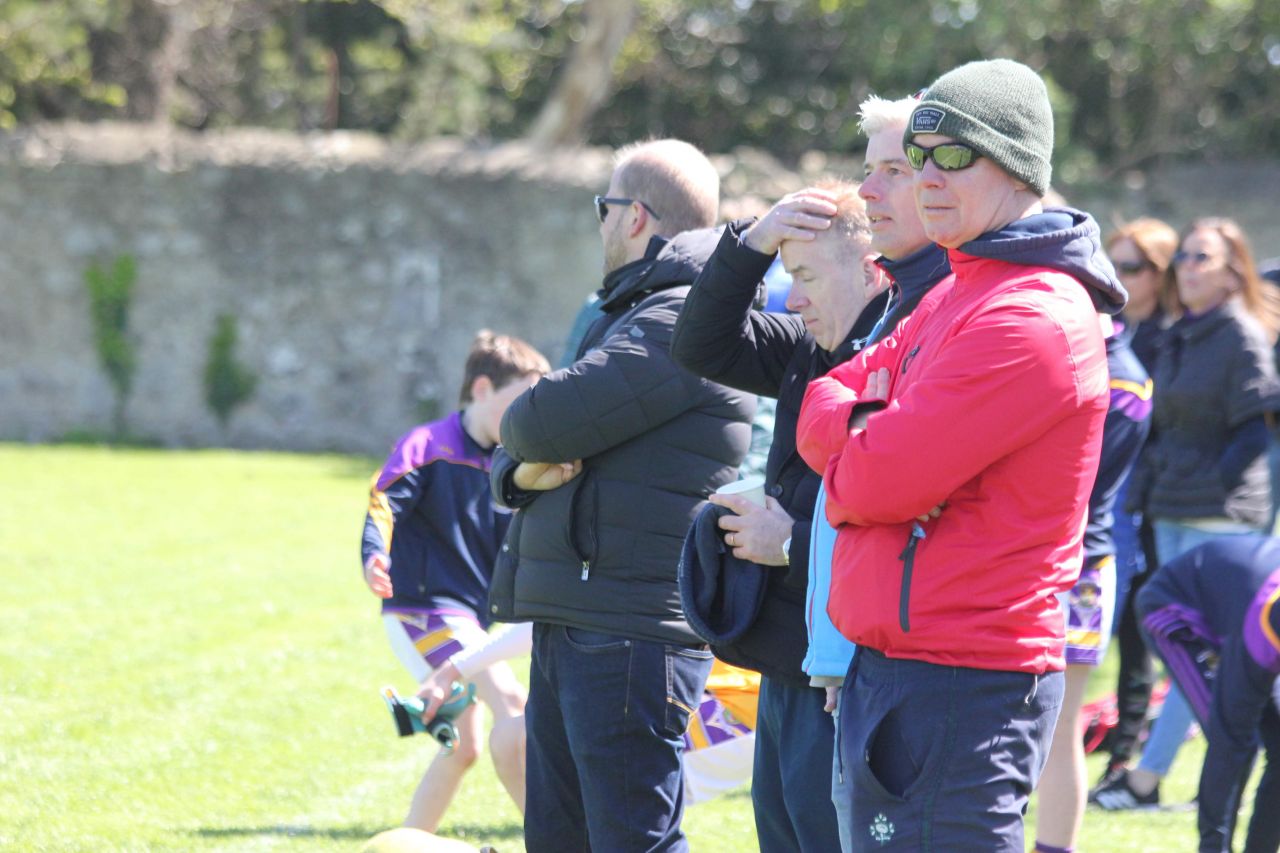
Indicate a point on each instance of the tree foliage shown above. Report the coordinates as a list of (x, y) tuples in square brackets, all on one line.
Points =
[(110, 292), (1132, 79), (47, 60), (228, 383)]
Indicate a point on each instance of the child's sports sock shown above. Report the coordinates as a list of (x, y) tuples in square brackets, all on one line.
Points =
[(1041, 847)]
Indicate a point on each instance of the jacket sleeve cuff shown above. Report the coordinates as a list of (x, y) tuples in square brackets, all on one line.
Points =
[(502, 483), (797, 571), (824, 422), (744, 262)]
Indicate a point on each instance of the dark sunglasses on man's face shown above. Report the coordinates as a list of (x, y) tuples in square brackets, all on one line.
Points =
[(603, 202), (1131, 267), (949, 156), (1194, 258)]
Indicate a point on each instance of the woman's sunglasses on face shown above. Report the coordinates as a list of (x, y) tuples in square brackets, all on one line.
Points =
[(1194, 259), (1131, 267), (948, 156)]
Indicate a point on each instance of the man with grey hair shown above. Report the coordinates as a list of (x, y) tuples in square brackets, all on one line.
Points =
[(824, 238), (914, 263), (608, 461)]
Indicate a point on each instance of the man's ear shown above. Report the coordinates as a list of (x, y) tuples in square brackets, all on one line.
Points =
[(481, 388), (874, 278), (639, 219)]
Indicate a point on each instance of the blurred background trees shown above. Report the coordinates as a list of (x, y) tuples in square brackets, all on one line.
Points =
[(1133, 80)]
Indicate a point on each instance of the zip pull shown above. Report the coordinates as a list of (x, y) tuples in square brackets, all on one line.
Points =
[(908, 558), (917, 533), (586, 569)]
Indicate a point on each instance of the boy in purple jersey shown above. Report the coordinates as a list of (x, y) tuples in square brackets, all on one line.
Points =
[(431, 536)]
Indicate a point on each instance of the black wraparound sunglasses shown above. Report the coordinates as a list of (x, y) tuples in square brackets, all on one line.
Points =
[(603, 202), (948, 156)]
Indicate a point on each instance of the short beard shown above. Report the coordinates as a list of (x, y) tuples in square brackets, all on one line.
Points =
[(615, 252)]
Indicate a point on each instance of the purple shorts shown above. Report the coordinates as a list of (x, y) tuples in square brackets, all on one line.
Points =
[(424, 639), (1089, 608)]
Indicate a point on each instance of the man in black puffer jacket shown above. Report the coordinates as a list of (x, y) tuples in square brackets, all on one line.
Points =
[(608, 461)]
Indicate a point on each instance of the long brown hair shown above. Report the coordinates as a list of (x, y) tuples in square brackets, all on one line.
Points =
[(1260, 299), (1155, 240)]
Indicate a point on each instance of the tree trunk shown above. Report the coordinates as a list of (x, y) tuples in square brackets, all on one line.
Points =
[(587, 74), (169, 59)]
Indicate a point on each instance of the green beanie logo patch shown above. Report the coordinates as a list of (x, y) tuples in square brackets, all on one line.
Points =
[(926, 120)]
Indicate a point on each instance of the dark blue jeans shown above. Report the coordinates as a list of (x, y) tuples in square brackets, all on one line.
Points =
[(941, 757), (790, 793), (605, 723)]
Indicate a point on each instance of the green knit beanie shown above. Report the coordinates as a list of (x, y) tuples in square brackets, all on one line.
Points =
[(1001, 109)]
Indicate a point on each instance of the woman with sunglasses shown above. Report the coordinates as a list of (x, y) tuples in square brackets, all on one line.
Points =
[(1142, 252), (1205, 469)]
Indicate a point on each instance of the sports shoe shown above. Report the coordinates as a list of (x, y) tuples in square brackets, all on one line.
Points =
[(1113, 772), (1116, 795)]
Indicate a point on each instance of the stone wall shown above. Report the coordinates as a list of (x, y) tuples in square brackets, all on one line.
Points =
[(357, 270), (357, 273)]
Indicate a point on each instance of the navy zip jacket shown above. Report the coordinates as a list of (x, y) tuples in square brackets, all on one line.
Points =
[(1144, 338), (1214, 381), (1125, 431), (721, 337), (601, 552), (431, 512), (1222, 600)]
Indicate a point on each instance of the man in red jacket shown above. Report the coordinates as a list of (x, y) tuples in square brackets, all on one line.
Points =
[(958, 456)]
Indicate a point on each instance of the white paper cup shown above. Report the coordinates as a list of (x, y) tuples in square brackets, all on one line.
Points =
[(751, 488)]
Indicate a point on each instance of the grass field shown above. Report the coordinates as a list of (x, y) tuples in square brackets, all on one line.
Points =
[(191, 662)]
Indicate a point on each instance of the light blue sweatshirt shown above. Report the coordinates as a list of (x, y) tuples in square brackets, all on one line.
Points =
[(830, 652)]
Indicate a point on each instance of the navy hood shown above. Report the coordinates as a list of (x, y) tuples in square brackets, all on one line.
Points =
[(666, 264), (1063, 239)]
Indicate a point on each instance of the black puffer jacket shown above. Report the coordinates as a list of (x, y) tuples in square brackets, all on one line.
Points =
[(601, 552), (1213, 375), (719, 336)]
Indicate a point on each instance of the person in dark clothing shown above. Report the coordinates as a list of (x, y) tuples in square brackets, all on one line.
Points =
[(1213, 616), (1090, 605), (827, 239), (608, 461), (721, 337), (1216, 387), (1204, 474), (1141, 251), (1269, 278)]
